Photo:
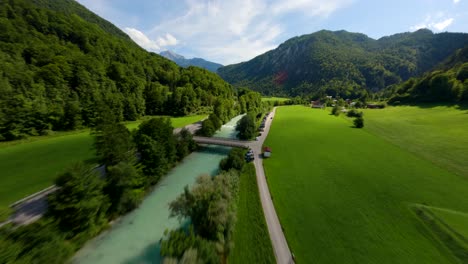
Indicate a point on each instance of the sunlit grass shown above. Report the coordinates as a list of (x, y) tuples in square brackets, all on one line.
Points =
[(342, 194), (251, 239)]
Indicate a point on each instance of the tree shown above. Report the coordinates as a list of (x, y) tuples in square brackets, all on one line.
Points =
[(113, 143), (153, 159), (207, 129), (354, 113), (462, 74), (359, 122), (185, 144), (125, 187), (207, 205), (79, 204), (39, 242), (246, 127), (235, 160), (157, 147), (335, 110)]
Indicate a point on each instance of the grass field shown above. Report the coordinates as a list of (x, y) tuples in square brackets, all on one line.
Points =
[(447, 227), (343, 195), (439, 134), (251, 239), (274, 99), (29, 166)]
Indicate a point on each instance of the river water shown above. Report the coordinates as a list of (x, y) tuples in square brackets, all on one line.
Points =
[(135, 237)]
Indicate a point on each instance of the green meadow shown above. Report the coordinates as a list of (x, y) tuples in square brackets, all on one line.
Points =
[(251, 239), (438, 134), (274, 99), (31, 165), (345, 195)]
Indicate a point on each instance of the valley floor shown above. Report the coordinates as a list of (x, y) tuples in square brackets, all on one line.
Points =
[(346, 195), (436, 133)]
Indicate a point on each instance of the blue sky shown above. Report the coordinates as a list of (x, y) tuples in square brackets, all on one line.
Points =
[(231, 31)]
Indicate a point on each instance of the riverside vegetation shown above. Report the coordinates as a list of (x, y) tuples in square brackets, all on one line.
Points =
[(85, 202), (223, 218), (31, 165)]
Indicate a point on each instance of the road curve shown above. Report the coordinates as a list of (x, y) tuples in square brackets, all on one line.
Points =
[(280, 245)]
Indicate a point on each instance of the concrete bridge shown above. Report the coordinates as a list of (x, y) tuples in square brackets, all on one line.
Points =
[(222, 142)]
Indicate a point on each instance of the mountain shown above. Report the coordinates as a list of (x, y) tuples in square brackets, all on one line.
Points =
[(343, 63), (183, 62), (448, 83), (61, 66)]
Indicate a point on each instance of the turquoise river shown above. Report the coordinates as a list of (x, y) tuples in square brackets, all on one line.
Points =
[(135, 237)]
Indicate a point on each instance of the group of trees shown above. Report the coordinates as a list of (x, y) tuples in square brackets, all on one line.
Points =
[(59, 63), (88, 198), (358, 118), (445, 85), (247, 127), (247, 102), (353, 113), (210, 205)]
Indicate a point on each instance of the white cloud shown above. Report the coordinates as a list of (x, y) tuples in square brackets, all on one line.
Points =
[(309, 7), (167, 40), (237, 30), (145, 42), (443, 24), (436, 25), (456, 1)]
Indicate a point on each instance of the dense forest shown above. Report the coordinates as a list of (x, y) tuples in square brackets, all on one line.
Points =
[(344, 64), (448, 84), (59, 63)]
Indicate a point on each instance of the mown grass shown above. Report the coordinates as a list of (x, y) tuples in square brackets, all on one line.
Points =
[(251, 239), (343, 194), (456, 220), (439, 223), (29, 166), (274, 99), (439, 133)]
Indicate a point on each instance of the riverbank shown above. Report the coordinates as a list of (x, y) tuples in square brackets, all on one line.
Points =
[(135, 238)]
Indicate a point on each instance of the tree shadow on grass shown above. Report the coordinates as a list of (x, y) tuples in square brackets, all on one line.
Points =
[(91, 161), (460, 106)]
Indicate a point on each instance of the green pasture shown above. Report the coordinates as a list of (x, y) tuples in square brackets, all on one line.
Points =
[(251, 239), (274, 99), (29, 166), (438, 134), (343, 195), (456, 220)]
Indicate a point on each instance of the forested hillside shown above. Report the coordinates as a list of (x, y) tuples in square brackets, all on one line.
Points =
[(449, 83), (343, 63), (60, 63)]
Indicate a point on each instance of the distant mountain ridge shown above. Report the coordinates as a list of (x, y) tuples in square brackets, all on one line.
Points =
[(183, 62), (343, 63)]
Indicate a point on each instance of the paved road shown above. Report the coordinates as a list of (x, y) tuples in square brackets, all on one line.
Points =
[(280, 245)]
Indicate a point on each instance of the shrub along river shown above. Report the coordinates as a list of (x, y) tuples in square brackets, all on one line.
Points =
[(135, 237)]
